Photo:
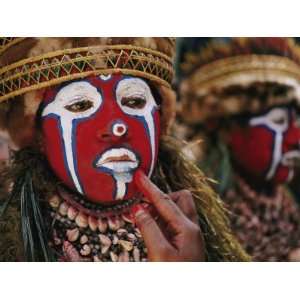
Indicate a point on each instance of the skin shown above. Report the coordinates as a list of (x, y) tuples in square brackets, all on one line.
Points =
[(180, 239), (98, 131), (172, 233)]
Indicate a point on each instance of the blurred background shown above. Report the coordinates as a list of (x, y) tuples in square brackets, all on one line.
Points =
[(238, 111)]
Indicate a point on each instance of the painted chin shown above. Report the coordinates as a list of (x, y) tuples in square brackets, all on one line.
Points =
[(120, 163)]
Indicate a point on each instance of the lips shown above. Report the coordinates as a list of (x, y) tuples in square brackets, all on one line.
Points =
[(119, 160), (122, 158)]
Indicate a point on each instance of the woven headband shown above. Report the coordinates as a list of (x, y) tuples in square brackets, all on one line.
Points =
[(7, 42), (64, 65)]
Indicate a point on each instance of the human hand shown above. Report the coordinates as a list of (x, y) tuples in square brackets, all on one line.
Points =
[(175, 235)]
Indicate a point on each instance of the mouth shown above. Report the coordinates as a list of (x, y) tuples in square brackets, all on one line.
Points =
[(118, 160), (122, 158), (291, 159)]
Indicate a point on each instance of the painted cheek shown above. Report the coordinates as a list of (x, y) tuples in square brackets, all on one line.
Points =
[(252, 149), (54, 150)]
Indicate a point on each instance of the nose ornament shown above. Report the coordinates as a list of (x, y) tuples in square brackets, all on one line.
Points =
[(119, 129)]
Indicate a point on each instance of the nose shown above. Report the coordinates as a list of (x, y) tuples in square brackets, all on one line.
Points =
[(113, 131)]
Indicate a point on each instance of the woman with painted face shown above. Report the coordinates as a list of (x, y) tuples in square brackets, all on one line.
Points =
[(242, 99), (96, 176)]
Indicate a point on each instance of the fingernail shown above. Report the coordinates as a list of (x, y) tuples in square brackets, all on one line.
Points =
[(137, 209), (145, 205)]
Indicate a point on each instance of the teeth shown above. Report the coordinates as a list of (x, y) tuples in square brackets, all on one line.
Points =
[(124, 257), (102, 225), (105, 241), (72, 213), (121, 222), (113, 256), (54, 201), (127, 246), (96, 258), (92, 223), (73, 234), (86, 250), (58, 217), (57, 241), (131, 237), (138, 233), (104, 249), (114, 224), (127, 218), (121, 232), (136, 254), (83, 239), (63, 209), (115, 240), (81, 220), (70, 251)]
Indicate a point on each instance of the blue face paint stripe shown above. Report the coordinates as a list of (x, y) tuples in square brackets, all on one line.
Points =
[(74, 124), (140, 118), (74, 153), (66, 165)]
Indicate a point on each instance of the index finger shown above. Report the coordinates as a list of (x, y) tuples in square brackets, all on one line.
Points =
[(162, 202)]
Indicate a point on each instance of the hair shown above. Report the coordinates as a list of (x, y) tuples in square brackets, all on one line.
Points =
[(173, 172)]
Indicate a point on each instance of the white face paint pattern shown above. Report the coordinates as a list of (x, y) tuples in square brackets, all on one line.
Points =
[(72, 93), (276, 120), (135, 87), (105, 77), (121, 171)]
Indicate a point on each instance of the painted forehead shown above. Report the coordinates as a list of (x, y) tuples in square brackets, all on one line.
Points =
[(118, 86)]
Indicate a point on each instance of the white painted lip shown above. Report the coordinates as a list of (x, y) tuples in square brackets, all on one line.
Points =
[(119, 160), (291, 158)]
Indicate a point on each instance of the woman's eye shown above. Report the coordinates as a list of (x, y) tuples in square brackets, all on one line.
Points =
[(134, 102), (79, 106)]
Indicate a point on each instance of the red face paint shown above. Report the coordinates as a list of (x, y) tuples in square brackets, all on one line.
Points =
[(267, 147), (98, 132)]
